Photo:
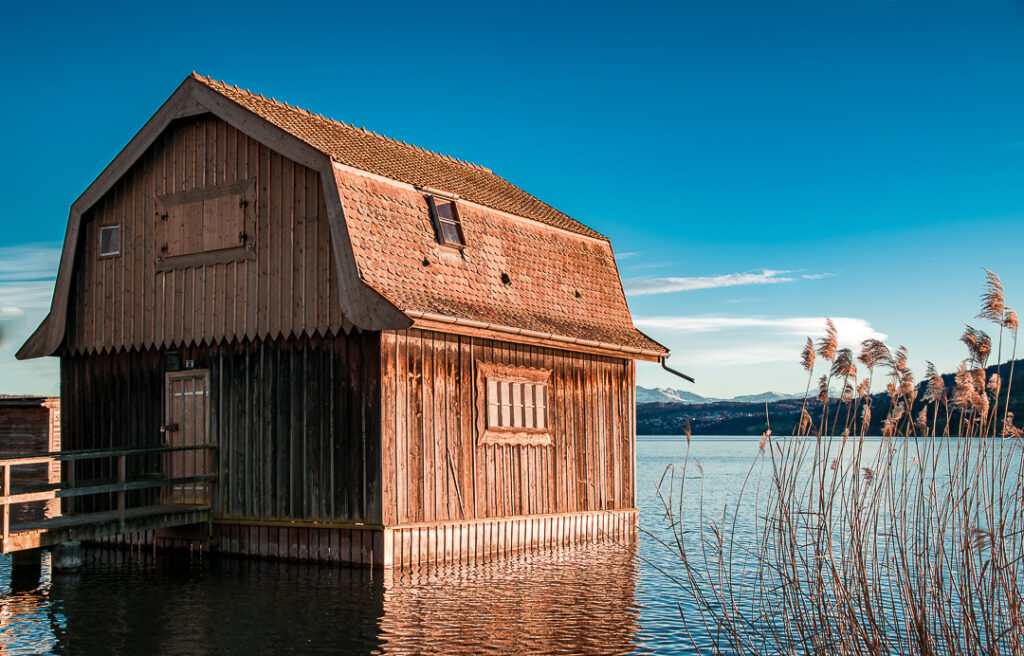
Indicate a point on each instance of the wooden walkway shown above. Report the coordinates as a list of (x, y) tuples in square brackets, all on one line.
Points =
[(19, 535), (92, 526)]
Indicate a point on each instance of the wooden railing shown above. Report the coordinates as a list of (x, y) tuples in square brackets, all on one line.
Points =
[(70, 490)]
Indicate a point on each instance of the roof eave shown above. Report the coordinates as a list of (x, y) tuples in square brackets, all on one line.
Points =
[(425, 319)]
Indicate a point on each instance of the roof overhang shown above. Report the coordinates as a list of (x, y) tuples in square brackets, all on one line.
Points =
[(442, 323)]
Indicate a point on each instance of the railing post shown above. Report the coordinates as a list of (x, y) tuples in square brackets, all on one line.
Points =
[(7, 506), (71, 486), (120, 493)]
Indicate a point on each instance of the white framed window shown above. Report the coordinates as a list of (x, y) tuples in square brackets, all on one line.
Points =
[(514, 404), (110, 240)]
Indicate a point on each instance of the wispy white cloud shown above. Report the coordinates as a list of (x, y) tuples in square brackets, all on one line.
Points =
[(27, 275), (627, 255), (29, 262), (851, 330), (735, 355), (817, 276), (642, 286), (730, 341)]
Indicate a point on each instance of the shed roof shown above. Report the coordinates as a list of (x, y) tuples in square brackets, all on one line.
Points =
[(565, 284)]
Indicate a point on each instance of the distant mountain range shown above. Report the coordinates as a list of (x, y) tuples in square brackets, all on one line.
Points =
[(668, 395)]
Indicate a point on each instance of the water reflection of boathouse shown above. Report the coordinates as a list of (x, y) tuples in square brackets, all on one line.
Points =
[(577, 600), (398, 356)]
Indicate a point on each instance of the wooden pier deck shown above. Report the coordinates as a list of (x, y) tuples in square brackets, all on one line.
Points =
[(185, 499), (92, 526)]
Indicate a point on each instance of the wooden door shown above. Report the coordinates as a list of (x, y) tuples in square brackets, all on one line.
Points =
[(187, 422)]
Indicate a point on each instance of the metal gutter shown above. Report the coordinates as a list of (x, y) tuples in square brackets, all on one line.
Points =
[(673, 371)]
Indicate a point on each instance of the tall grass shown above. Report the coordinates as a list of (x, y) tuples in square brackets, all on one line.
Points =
[(841, 545)]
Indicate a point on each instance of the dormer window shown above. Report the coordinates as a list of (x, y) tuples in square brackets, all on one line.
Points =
[(447, 226)]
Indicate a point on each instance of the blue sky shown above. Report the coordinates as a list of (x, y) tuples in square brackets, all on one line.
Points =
[(758, 165)]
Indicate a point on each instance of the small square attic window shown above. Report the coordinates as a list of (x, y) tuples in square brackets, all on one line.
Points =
[(447, 226), (110, 240)]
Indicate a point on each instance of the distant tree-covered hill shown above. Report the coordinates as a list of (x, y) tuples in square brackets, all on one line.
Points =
[(748, 418)]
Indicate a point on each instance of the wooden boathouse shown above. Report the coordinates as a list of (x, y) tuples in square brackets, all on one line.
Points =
[(396, 356)]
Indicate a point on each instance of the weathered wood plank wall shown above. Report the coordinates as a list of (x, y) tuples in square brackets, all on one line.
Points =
[(112, 401), (298, 429), (287, 286), (436, 470), (296, 421)]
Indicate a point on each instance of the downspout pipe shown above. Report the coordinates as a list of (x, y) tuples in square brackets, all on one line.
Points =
[(673, 371)]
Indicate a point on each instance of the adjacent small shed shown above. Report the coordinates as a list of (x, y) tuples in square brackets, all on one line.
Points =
[(31, 424), (400, 356)]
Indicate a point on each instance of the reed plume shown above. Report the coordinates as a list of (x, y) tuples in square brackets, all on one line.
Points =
[(1011, 323), (844, 366), (992, 302), (807, 362), (873, 353), (823, 388), (936, 390), (978, 343), (829, 343), (807, 355)]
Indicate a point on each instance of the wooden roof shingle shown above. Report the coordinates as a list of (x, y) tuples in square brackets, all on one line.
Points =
[(374, 153)]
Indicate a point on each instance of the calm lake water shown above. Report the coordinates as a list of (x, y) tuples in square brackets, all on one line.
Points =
[(597, 599)]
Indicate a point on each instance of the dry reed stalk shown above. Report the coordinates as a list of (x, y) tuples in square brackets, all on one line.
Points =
[(912, 545)]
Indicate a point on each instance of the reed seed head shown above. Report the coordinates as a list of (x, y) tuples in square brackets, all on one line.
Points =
[(1010, 321), (807, 355), (823, 388), (828, 344), (844, 365), (936, 391), (979, 344), (992, 299), (873, 353)]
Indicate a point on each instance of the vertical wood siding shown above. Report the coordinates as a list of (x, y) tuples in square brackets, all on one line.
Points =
[(296, 422), (435, 468), (287, 288)]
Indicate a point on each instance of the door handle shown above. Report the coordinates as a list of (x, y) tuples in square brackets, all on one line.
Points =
[(169, 428)]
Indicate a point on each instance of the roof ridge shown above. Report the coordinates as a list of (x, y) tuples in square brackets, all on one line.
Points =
[(397, 142)]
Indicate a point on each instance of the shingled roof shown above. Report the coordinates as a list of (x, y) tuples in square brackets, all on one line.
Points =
[(369, 151), (528, 272), (563, 286)]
